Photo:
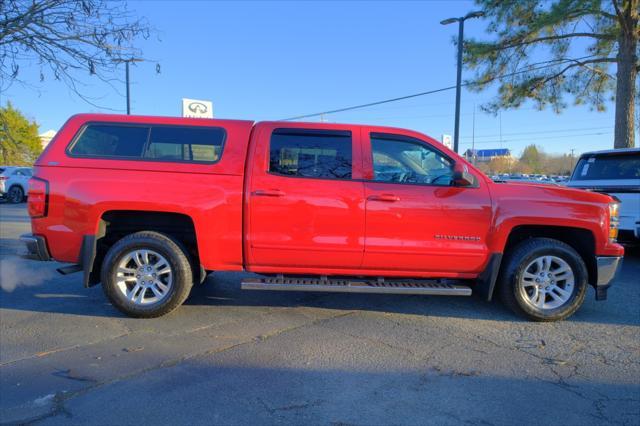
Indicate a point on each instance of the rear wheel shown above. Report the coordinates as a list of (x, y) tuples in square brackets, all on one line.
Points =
[(15, 195), (146, 274), (544, 279)]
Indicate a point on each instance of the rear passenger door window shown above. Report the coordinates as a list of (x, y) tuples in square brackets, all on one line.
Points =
[(104, 140), (323, 154), (172, 143)]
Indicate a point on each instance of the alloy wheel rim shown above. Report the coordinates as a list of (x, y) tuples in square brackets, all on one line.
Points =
[(547, 283), (144, 277), (15, 195)]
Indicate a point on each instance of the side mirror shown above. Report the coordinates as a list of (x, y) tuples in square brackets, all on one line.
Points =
[(462, 177)]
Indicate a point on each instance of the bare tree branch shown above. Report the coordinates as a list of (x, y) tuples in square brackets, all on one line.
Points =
[(69, 39)]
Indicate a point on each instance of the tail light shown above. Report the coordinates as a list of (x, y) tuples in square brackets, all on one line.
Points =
[(38, 202)]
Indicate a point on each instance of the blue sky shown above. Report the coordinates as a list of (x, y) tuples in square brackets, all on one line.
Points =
[(267, 61)]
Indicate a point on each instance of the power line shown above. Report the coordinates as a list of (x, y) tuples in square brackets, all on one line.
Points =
[(537, 139), (430, 92), (582, 129), (409, 117), (415, 95)]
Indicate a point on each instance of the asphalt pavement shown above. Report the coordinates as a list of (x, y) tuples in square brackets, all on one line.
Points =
[(240, 357)]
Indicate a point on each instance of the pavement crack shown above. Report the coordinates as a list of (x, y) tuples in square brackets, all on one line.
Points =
[(61, 397), (58, 350), (57, 409), (380, 342), (302, 406)]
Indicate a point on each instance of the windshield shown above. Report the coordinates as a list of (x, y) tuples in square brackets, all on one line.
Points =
[(626, 166)]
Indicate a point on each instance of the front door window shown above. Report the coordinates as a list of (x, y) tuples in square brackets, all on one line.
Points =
[(406, 161)]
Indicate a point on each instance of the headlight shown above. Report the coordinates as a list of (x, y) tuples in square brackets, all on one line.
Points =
[(614, 219)]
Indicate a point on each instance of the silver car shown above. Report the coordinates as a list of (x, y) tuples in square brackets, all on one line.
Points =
[(14, 183)]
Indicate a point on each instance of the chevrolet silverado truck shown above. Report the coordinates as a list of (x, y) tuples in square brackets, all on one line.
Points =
[(147, 206)]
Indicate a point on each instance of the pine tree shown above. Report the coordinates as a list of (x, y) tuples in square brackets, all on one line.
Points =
[(543, 50)]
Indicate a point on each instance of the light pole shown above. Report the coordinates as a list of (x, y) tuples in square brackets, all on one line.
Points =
[(460, 21)]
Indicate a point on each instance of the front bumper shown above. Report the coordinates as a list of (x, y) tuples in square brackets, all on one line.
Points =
[(36, 246), (607, 267)]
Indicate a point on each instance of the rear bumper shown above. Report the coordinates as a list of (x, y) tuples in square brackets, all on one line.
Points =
[(607, 267), (36, 246)]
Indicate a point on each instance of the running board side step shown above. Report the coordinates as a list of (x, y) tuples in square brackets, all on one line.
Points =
[(337, 285)]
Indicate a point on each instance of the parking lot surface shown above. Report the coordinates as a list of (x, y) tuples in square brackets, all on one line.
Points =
[(237, 357)]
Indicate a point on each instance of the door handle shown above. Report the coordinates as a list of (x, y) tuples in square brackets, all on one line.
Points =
[(268, 193), (388, 198)]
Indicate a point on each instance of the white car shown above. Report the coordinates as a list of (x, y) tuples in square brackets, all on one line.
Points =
[(615, 172), (14, 183)]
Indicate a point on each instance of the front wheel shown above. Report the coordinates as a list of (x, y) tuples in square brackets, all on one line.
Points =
[(543, 279), (146, 274)]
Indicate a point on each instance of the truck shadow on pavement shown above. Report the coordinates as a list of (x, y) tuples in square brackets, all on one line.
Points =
[(218, 291), (65, 295)]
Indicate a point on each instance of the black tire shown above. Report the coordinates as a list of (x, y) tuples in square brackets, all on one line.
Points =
[(15, 194), (514, 265), (173, 252)]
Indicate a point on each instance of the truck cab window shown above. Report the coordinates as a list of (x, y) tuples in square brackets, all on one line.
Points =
[(400, 160), (110, 140), (175, 143), (311, 153)]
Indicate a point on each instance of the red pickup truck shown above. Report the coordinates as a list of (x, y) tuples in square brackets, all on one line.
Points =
[(148, 205)]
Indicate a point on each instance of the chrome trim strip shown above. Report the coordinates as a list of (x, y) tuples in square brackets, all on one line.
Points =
[(357, 287)]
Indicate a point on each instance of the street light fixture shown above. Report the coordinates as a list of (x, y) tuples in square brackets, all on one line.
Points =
[(460, 21)]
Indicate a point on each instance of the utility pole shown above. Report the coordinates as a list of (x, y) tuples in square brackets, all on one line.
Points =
[(128, 92), (500, 124), (473, 136), (460, 21), (572, 166), (127, 81)]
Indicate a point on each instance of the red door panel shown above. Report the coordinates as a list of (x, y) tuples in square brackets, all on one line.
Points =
[(422, 228), (417, 221), (310, 223), (299, 221)]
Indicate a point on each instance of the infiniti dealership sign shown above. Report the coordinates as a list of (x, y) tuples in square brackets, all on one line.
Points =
[(196, 108)]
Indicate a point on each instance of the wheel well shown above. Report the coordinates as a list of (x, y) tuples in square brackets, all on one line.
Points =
[(115, 225), (581, 240)]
